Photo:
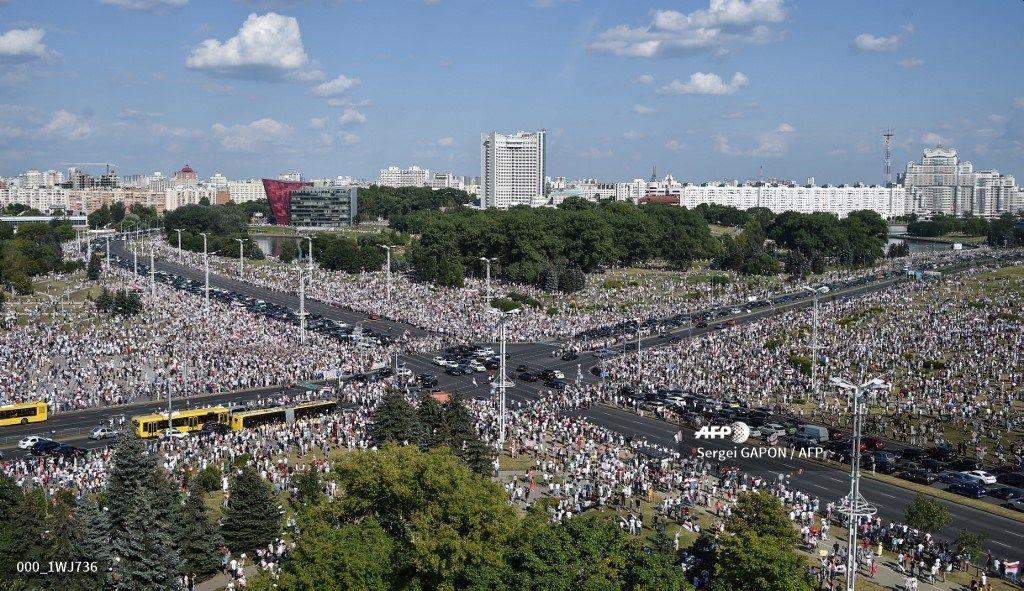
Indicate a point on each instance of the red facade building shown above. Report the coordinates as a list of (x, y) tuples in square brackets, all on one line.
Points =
[(279, 194)]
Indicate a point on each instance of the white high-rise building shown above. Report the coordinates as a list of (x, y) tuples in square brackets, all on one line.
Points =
[(512, 169), (445, 180), (941, 183), (181, 195), (246, 191), (393, 176), (631, 191), (293, 176), (219, 181)]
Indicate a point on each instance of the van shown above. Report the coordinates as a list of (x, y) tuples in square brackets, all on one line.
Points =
[(814, 432)]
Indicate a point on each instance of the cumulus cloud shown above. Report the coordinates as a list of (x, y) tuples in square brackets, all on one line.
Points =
[(910, 63), (446, 142), (642, 110), (318, 122), (933, 138), (785, 128), (770, 146), (725, 23), (22, 45), (722, 145), (337, 87), (633, 135), (352, 116), (66, 125), (145, 4), (250, 137), (866, 42), (643, 79), (675, 145), (704, 83), (349, 139), (267, 47)]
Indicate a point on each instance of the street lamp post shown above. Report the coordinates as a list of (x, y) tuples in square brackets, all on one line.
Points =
[(816, 292), (309, 262), (503, 379), (302, 308), (487, 261), (180, 252), (206, 268), (639, 365), (135, 261), (152, 273), (108, 253), (241, 259), (387, 264), (858, 507)]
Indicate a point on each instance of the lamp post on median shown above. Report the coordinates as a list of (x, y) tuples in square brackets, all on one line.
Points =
[(816, 292), (388, 267), (108, 253), (309, 262), (302, 308), (487, 261), (180, 252), (206, 269), (858, 507), (241, 259), (503, 379), (639, 365), (152, 273)]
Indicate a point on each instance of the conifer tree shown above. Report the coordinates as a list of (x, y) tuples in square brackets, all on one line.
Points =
[(252, 517), (93, 270), (132, 468), (199, 539), (395, 420), (145, 558), (65, 542), (28, 526), (96, 539)]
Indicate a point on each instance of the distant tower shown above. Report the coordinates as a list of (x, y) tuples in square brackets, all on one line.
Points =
[(654, 173), (887, 134)]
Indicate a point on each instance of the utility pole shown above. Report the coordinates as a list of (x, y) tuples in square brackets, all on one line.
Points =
[(387, 265), (302, 308), (639, 365), (816, 292), (887, 135), (206, 268), (152, 274), (241, 259), (858, 507), (135, 260), (108, 253), (487, 261), (503, 379), (180, 253), (310, 261)]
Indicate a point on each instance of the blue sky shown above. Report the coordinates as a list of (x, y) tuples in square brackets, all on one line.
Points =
[(703, 89)]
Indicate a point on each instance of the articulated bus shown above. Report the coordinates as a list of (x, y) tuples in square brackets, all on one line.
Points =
[(153, 425), (280, 414), (23, 413)]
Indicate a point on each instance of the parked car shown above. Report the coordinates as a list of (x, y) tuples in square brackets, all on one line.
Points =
[(441, 361), (556, 383), (570, 356), (1016, 504), (941, 453), (951, 477), (1011, 478), (527, 376), (773, 429), (102, 433), (964, 464), (968, 489), (522, 367), (427, 380), (872, 443), (980, 476), (44, 447), (68, 451), (918, 476), (1007, 493), (173, 434)]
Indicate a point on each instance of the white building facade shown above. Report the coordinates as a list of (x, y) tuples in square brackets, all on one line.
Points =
[(888, 202), (512, 169), (176, 197), (393, 176), (45, 199), (941, 183), (246, 191)]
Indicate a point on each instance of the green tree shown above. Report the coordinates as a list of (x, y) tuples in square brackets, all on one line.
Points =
[(146, 559), (131, 470), (199, 539), (66, 542), (252, 517), (289, 252), (762, 513), (927, 514), (970, 543), (394, 420), (747, 560), (308, 490), (28, 527), (350, 556), (93, 270), (96, 539)]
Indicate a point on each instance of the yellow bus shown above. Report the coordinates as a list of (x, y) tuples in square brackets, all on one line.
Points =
[(280, 414), (23, 413), (153, 425)]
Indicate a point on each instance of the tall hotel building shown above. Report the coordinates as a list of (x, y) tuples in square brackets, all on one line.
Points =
[(512, 169)]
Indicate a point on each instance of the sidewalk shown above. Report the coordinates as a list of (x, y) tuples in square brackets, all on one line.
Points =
[(220, 581)]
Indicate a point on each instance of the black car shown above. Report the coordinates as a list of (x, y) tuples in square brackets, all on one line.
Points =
[(547, 374), (1011, 479), (528, 376), (214, 429), (42, 448), (457, 370), (427, 380), (555, 383), (941, 453), (918, 476), (1006, 493), (522, 367), (933, 465), (965, 465), (570, 356), (492, 363), (68, 451)]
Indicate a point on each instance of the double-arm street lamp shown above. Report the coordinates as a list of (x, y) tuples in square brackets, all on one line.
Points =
[(387, 266), (816, 292)]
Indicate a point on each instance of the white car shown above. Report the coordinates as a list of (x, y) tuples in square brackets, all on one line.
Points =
[(31, 440), (773, 429), (440, 361), (676, 400), (173, 434), (756, 432), (980, 476), (477, 366), (734, 311), (102, 433), (403, 372), (558, 374)]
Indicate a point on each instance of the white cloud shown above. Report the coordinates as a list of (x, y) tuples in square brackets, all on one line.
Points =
[(266, 47), (318, 122), (722, 145), (866, 42), (66, 125), (22, 45), (549, 3), (247, 138), (675, 145), (632, 135), (642, 110), (349, 138), (909, 63), (352, 117), (671, 33), (145, 4), (704, 83), (770, 146), (933, 138), (338, 87), (1018, 102), (593, 152), (643, 79), (446, 142), (785, 128)]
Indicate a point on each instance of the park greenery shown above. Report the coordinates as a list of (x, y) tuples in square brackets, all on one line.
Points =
[(33, 251), (539, 245), (384, 203), (122, 302), (223, 224), (943, 225)]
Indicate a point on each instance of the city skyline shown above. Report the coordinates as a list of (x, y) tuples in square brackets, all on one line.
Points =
[(701, 90)]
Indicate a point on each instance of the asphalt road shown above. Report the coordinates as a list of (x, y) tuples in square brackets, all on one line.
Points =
[(829, 484)]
